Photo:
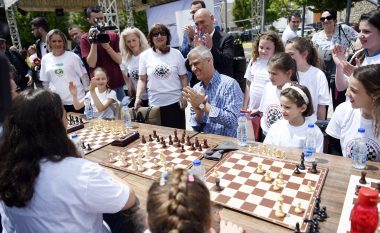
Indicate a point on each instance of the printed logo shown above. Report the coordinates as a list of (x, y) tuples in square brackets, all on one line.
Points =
[(373, 149), (273, 113), (59, 72), (162, 71), (135, 75)]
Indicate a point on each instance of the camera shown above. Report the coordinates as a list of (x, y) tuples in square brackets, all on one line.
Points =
[(98, 32)]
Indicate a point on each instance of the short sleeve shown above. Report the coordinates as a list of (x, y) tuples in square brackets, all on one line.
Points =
[(104, 194), (43, 75), (323, 89), (181, 65), (320, 138), (124, 66), (112, 95), (85, 46), (335, 125), (143, 63), (247, 74), (78, 64)]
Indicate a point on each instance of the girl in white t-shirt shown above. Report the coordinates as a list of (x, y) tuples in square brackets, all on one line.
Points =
[(264, 47), (306, 57), (180, 202), (296, 105), (369, 36), (361, 111), (101, 96), (282, 69)]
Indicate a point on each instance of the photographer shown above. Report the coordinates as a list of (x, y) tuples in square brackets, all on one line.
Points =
[(101, 49)]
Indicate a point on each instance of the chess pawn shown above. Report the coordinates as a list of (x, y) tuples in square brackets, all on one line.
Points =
[(276, 186), (134, 164), (279, 212), (268, 178), (280, 199), (259, 169), (155, 164), (281, 178), (298, 208), (111, 158), (309, 188)]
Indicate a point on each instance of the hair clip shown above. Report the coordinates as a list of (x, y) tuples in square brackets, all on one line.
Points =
[(190, 178)]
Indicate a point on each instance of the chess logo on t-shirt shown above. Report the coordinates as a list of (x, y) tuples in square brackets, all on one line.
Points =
[(273, 113), (135, 74), (373, 149), (162, 71)]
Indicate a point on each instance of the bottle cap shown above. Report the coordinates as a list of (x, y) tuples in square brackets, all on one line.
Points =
[(361, 130), (196, 162), (74, 135), (368, 197), (242, 114), (310, 125)]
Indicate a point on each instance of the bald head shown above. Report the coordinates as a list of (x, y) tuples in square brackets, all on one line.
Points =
[(204, 20)]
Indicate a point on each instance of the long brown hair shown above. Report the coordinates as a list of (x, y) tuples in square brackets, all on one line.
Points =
[(271, 36), (302, 44), (179, 206)]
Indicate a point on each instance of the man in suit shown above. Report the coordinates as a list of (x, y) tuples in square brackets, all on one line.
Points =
[(220, 44)]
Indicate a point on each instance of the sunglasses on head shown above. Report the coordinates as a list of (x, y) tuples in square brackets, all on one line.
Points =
[(159, 33), (327, 17)]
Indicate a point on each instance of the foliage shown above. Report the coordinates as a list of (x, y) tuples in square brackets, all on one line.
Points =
[(319, 5), (139, 18)]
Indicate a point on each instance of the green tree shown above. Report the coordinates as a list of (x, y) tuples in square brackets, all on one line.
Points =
[(242, 11)]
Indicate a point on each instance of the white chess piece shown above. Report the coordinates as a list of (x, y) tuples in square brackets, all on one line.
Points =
[(268, 178), (259, 169), (155, 163), (276, 187), (279, 212), (298, 208), (111, 158), (281, 178), (308, 187), (134, 164)]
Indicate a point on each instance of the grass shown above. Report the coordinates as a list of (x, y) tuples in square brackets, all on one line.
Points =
[(247, 45)]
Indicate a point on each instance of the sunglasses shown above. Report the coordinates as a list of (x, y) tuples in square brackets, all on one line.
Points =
[(327, 17), (159, 33)]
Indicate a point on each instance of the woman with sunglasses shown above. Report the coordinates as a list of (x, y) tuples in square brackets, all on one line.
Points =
[(325, 40), (162, 70)]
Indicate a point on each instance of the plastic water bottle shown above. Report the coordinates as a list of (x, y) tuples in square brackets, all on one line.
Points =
[(198, 169), (88, 110), (77, 142), (359, 150), (310, 144), (242, 130), (127, 120)]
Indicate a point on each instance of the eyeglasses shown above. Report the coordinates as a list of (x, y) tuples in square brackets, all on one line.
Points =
[(193, 12), (327, 17), (159, 33)]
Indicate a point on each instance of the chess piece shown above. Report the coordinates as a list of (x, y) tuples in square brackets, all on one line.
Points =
[(150, 138), (279, 212), (322, 213), (164, 144), (155, 134), (298, 208), (183, 140), (276, 186), (175, 138), (281, 178), (192, 146), (76, 120), (196, 142), (205, 145), (362, 178), (81, 121), (83, 145), (308, 187), (268, 178), (218, 187), (122, 159), (188, 143), (158, 139), (143, 141), (200, 147), (162, 157), (297, 170), (297, 228), (302, 164), (111, 158), (88, 146), (162, 139), (175, 133), (134, 164), (182, 149), (317, 203), (259, 169), (178, 144), (140, 167), (314, 168), (280, 199), (155, 164), (249, 148)]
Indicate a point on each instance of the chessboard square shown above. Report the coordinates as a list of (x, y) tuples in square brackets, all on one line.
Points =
[(228, 164), (246, 157), (254, 199), (249, 207), (306, 181), (238, 155), (249, 169), (301, 194), (233, 159), (221, 198), (262, 211), (241, 195), (234, 172), (228, 191), (292, 220), (174, 160), (292, 185), (267, 203), (132, 150), (259, 192), (288, 172), (295, 179), (255, 176), (209, 182), (290, 192), (252, 164), (228, 177), (223, 169), (311, 176), (263, 185), (251, 183), (235, 202), (234, 185), (244, 174), (278, 164), (243, 163), (271, 196), (246, 188), (267, 162), (275, 169), (304, 203), (239, 180), (257, 159)]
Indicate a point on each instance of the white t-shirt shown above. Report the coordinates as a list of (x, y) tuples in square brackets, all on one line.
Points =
[(163, 70), (283, 134), (132, 70), (369, 60), (315, 80), (108, 94), (270, 106), (257, 74), (59, 70), (344, 125), (69, 196), (288, 34)]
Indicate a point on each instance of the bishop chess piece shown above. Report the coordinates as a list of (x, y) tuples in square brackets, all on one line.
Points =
[(302, 164)]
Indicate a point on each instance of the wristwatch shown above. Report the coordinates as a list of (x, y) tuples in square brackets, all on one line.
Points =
[(202, 105)]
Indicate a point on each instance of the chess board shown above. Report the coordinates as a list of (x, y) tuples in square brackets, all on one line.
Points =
[(173, 156), (96, 138), (247, 191), (349, 201)]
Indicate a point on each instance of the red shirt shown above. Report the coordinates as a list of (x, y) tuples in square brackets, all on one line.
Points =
[(104, 60)]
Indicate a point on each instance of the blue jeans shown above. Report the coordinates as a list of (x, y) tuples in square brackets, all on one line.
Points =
[(119, 93)]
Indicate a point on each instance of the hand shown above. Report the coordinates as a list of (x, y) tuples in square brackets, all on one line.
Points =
[(190, 32), (229, 227), (72, 88), (193, 97), (106, 46), (137, 103), (182, 103), (348, 69), (207, 40), (92, 85), (338, 55), (254, 112), (30, 80)]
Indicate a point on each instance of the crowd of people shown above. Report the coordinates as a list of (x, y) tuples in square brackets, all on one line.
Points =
[(288, 84)]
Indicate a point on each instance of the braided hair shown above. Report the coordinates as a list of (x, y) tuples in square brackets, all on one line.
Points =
[(179, 205)]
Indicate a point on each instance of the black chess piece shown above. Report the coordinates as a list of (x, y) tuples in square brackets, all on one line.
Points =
[(163, 144), (182, 149), (175, 138), (192, 146), (200, 147), (170, 140), (302, 164), (178, 144), (205, 145), (317, 204), (88, 146), (143, 141), (183, 140), (81, 120), (158, 139), (196, 142), (218, 187), (362, 178), (83, 145), (323, 213), (76, 120), (175, 133), (297, 228), (297, 170), (155, 134), (314, 168), (150, 138), (162, 140)]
